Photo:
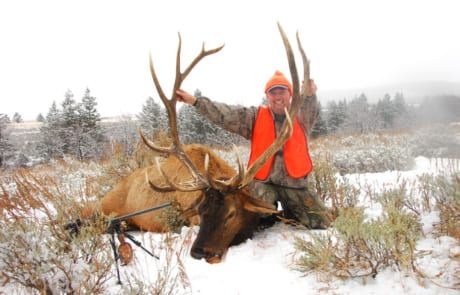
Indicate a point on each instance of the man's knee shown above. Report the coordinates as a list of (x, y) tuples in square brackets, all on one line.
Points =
[(309, 209), (264, 192), (319, 219)]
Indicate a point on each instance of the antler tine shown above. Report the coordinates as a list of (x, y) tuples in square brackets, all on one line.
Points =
[(233, 182), (197, 59), (298, 94), (306, 69), (286, 129), (170, 105), (293, 71), (183, 187), (182, 156)]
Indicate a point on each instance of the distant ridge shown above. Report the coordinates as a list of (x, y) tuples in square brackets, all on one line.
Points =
[(414, 92)]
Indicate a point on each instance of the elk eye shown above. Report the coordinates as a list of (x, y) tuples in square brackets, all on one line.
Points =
[(231, 215)]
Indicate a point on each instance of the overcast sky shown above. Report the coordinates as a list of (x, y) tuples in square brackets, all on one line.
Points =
[(48, 47)]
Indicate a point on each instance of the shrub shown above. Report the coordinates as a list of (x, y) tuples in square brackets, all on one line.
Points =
[(359, 247), (36, 251), (442, 193), (367, 152), (330, 186)]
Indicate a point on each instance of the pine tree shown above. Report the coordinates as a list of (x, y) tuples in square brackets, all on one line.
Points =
[(40, 118), (359, 116), (53, 118), (386, 111), (264, 101), (17, 118), (69, 110), (190, 125), (89, 116), (70, 133), (320, 126), (6, 148), (403, 118), (194, 128), (152, 117), (336, 115), (51, 145), (88, 133), (123, 133), (73, 130)]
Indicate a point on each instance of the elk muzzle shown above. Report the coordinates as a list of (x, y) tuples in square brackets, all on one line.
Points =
[(211, 256)]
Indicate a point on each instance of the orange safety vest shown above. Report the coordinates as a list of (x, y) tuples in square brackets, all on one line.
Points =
[(295, 153)]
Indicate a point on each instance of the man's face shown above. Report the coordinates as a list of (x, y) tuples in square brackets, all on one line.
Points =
[(278, 99)]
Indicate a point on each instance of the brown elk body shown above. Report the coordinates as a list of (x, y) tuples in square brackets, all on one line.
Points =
[(202, 185), (233, 216)]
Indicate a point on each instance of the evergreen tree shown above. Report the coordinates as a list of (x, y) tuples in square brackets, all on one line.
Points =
[(6, 148), (70, 133), (17, 118), (190, 125), (40, 118), (88, 114), (400, 104), (336, 115), (73, 130), (152, 117), (207, 132), (359, 116), (320, 126), (88, 133), (70, 108), (197, 93), (126, 134), (264, 101), (403, 116), (50, 144), (194, 128), (53, 118), (386, 112)]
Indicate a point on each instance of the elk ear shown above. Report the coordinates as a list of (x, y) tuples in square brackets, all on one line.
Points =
[(258, 205), (192, 210)]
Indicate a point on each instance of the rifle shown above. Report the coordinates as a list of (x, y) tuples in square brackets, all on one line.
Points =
[(125, 252)]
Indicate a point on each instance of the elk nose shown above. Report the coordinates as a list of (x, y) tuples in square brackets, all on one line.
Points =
[(198, 253)]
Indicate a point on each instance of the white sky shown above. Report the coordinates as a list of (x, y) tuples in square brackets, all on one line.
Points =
[(48, 47)]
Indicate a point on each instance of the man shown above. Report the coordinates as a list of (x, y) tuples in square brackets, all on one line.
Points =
[(284, 177)]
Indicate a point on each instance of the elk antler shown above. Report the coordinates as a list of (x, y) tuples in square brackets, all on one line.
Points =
[(297, 99), (170, 105)]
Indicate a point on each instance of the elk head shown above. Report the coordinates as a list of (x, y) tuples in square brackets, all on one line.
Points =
[(228, 212)]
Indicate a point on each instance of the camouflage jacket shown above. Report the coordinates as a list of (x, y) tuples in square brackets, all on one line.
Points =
[(240, 120)]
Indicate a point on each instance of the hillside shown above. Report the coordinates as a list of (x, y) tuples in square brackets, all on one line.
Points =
[(413, 92)]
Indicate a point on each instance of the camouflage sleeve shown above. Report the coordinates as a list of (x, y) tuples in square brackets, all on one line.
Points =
[(308, 113), (234, 118)]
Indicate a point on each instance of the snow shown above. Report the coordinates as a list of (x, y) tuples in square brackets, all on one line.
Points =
[(265, 265)]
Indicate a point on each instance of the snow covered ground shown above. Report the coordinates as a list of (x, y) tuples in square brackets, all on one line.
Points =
[(264, 264)]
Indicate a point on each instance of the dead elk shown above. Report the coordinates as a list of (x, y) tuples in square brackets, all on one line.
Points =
[(206, 189)]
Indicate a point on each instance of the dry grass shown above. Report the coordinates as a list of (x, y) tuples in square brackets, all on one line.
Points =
[(36, 251), (38, 255)]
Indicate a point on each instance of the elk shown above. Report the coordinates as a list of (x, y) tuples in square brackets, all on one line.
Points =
[(206, 189)]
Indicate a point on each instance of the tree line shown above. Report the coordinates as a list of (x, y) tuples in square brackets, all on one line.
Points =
[(360, 116), (75, 128)]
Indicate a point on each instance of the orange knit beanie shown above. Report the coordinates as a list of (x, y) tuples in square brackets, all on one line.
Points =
[(278, 80)]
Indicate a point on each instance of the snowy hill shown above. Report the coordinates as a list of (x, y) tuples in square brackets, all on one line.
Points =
[(413, 92)]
